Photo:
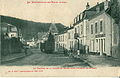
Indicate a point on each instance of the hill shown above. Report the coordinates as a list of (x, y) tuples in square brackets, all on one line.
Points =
[(30, 28)]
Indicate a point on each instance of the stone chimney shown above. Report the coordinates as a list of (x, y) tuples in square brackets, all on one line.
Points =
[(74, 20), (78, 18), (87, 6), (106, 4)]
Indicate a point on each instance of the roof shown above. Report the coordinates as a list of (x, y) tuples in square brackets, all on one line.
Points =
[(70, 28), (6, 27), (102, 10), (92, 12), (65, 31)]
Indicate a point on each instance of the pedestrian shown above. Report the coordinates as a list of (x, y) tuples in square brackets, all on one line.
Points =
[(25, 50), (78, 52)]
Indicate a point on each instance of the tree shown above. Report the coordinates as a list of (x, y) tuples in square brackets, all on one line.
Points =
[(115, 13), (50, 44)]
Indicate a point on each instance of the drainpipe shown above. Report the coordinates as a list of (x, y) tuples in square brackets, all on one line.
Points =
[(111, 38)]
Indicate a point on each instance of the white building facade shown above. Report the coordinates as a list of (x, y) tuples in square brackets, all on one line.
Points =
[(100, 34), (61, 42), (96, 31)]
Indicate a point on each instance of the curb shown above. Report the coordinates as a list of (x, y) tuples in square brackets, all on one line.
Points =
[(86, 61)]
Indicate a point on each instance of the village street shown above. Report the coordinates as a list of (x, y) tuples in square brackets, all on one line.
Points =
[(43, 59)]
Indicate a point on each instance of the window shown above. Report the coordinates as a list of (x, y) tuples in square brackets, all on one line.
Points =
[(96, 40), (69, 35), (101, 26), (78, 30), (58, 38), (63, 37), (81, 41), (81, 29), (75, 30), (95, 27), (91, 29), (71, 44)]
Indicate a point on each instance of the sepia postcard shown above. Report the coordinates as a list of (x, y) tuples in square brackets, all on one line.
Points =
[(70, 38)]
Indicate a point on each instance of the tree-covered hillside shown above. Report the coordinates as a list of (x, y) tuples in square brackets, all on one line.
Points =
[(30, 28)]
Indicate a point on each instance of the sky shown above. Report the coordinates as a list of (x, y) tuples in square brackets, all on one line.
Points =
[(45, 12)]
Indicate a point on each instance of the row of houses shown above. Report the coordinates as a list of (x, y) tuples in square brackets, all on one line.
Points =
[(94, 31)]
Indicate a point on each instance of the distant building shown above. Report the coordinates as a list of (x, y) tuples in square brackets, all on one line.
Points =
[(61, 42), (43, 36), (9, 30), (53, 29), (71, 40)]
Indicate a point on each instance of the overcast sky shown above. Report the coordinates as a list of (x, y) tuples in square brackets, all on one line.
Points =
[(45, 12)]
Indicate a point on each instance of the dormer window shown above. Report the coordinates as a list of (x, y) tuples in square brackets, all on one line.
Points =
[(106, 4), (78, 18), (98, 8), (81, 16)]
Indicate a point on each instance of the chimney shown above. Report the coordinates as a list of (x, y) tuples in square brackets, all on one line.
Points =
[(77, 17), (81, 15), (74, 20), (87, 6), (106, 4), (70, 26), (98, 7)]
